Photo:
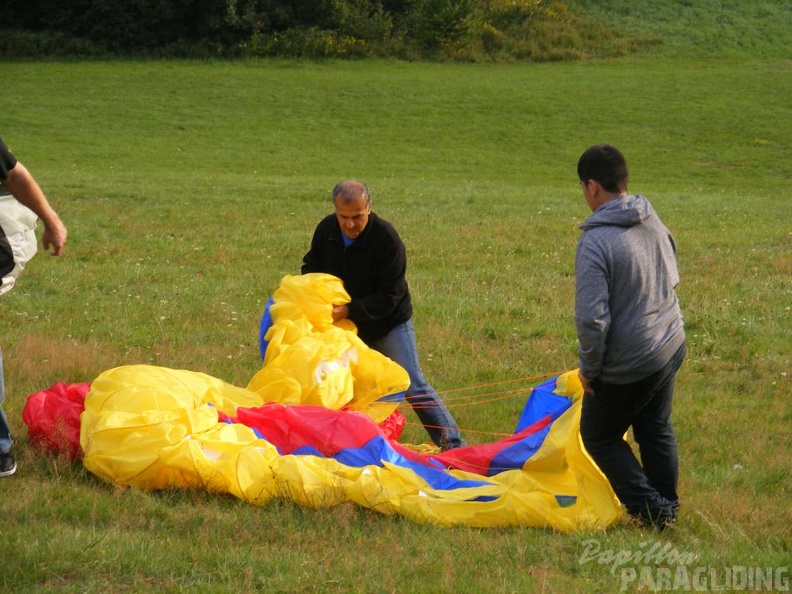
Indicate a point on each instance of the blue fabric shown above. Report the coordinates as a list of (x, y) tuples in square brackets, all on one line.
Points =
[(516, 455), (566, 500), (543, 402), (377, 451), (395, 397), (266, 323)]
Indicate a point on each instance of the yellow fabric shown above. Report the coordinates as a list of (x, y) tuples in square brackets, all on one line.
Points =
[(153, 428), (310, 360), (156, 428)]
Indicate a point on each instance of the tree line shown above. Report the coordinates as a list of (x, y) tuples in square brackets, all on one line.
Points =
[(411, 29)]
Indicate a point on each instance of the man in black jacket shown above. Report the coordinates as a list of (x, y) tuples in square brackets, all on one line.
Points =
[(368, 255)]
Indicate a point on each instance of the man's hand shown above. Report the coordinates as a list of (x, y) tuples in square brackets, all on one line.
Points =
[(54, 235), (586, 384), (340, 312)]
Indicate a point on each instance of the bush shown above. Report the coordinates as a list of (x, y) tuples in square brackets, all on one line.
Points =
[(469, 30), (444, 23), (307, 43), (23, 44)]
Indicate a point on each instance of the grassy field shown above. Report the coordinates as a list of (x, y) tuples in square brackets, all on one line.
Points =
[(191, 189), (714, 28)]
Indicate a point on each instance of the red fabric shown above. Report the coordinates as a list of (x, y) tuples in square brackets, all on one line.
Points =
[(53, 418), (294, 427), (393, 426), (478, 459)]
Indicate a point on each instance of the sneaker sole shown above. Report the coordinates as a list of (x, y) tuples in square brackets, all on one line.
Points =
[(8, 472)]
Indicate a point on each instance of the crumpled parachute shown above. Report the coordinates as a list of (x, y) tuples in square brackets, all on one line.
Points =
[(157, 428), (309, 360)]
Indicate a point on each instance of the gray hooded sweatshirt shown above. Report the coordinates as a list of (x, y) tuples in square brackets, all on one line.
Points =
[(628, 319)]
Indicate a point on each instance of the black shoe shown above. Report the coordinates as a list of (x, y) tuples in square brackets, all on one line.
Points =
[(657, 519), (7, 463), (659, 514), (452, 444)]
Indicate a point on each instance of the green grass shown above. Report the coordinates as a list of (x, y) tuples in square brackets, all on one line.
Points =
[(190, 189), (713, 28)]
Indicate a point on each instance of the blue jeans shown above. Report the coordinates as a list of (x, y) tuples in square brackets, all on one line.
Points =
[(648, 491), (5, 430), (399, 345)]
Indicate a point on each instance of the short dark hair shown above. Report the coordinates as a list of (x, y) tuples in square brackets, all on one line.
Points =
[(606, 165)]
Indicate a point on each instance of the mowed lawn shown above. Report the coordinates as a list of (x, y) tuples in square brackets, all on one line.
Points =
[(191, 189)]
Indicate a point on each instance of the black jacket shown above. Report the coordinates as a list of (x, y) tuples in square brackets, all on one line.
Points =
[(372, 269)]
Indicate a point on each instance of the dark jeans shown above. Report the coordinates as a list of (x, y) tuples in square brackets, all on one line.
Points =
[(648, 490), (5, 428)]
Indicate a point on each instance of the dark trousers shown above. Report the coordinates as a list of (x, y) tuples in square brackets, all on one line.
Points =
[(648, 490)]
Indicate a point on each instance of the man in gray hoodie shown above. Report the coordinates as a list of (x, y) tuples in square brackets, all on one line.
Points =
[(631, 338)]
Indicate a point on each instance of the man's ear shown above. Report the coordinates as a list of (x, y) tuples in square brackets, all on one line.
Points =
[(595, 188)]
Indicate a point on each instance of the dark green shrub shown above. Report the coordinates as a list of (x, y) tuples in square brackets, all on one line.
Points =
[(468, 30), (445, 23), (307, 43), (24, 44)]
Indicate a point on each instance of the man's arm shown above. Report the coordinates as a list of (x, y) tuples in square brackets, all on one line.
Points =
[(592, 312), (25, 189)]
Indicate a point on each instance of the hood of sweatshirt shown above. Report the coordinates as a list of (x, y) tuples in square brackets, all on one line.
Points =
[(625, 211)]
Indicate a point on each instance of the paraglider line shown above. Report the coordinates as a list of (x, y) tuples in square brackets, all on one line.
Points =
[(512, 381), (411, 424), (477, 399), (456, 401)]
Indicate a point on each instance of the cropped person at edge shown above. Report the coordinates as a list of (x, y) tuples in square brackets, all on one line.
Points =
[(16, 180)]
